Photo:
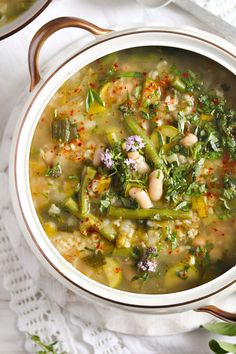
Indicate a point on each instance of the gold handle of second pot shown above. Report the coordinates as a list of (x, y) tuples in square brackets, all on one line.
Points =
[(45, 32), (221, 314)]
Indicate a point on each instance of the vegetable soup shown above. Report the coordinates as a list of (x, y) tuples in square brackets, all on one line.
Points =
[(133, 170), (11, 9)]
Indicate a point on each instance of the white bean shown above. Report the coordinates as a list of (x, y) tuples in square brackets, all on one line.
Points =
[(97, 155), (142, 166), (142, 197), (189, 140), (155, 187), (48, 156), (134, 155)]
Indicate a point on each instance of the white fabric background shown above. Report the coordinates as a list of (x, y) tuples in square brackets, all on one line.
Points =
[(24, 272)]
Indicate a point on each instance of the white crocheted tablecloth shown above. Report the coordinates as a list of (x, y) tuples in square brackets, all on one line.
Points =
[(43, 305)]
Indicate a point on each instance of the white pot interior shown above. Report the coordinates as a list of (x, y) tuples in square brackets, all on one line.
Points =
[(20, 157)]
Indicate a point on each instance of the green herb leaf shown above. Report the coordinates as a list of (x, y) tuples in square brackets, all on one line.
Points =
[(181, 122), (135, 74), (222, 347), (71, 177), (181, 205), (55, 171), (174, 70), (105, 202), (172, 237), (143, 276), (127, 108), (89, 100), (226, 329), (216, 348), (97, 98), (229, 347), (198, 166), (146, 115), (46, 348), (93, 96)]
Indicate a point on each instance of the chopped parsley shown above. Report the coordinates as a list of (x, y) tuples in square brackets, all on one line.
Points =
[(55, 171)]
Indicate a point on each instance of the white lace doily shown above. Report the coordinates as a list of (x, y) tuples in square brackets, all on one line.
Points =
[(36, 297), (226, 9)]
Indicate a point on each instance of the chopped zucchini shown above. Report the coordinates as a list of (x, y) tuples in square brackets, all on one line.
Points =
[(95, 259), (181, 277), (63, 130), (113, 272)]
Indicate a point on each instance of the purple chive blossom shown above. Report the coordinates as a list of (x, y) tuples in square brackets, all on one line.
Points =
[(131, 163), (106, 158), (147, 265), (134, 143), (150, 251), (149, 262)]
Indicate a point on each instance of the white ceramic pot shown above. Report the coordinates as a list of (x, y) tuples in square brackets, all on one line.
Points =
[(201, 298), (24, 19)]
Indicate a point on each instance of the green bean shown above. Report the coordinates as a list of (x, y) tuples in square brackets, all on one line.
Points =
[(150, 214), (88, 175), (135, 74), (82, 209), (72, 206), (150, 149)]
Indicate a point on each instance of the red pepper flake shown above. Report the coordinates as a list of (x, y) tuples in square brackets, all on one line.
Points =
[(185, 74), (99, 246), (91, 84), (77, 90), (117, 270)]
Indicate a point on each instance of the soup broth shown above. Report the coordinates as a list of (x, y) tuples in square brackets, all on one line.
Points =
[(11, 9), (133, 170)]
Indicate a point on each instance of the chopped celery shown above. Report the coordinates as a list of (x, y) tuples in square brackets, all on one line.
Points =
[(83, 199), (72, 206), (178, 84)]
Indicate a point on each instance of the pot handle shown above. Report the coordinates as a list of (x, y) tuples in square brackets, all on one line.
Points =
[(45, 32), (221, 314)]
